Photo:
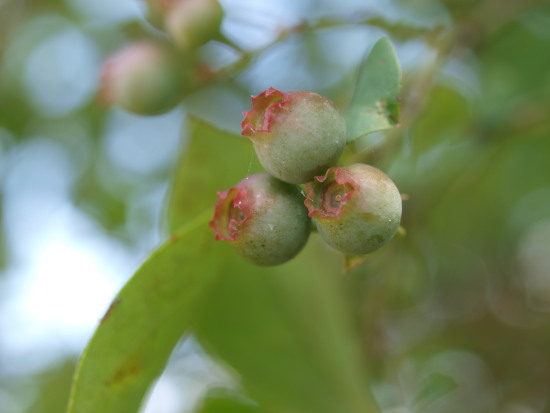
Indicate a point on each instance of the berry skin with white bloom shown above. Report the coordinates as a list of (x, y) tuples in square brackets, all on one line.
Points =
[(357, 208), (297, 135), (263, 218)]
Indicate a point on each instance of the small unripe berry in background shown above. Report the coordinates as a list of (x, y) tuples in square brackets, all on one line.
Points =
[(156, 10), (297, 135), (144, 78), (357, 208), (263, 218), (192, 23)]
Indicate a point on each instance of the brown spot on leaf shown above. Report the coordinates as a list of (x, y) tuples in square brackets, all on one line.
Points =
[(173, 238), (107, 314), (125, 372)]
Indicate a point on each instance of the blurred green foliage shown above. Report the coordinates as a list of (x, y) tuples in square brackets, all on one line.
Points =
[(451, 316)]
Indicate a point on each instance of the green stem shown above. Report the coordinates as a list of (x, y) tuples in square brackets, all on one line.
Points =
[(248, 56)]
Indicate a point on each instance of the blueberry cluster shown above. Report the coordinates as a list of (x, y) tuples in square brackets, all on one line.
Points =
[(152, 75), (299, 137)]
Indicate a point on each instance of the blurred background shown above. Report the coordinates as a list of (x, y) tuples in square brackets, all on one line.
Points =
[(466, 292)]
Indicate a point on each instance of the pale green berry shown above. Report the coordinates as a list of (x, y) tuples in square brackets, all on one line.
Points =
[(144, 77), (192, 23), (297, 135), (357, 208), (263, 218)]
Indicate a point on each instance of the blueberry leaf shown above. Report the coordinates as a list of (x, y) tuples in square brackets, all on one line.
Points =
[(375, 103), (137, 334), (287, 332)]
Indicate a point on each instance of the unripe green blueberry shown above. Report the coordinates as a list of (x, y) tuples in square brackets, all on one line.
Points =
[(296, 135), (263, 218), (192, 23), (357, 208), (144, 77)]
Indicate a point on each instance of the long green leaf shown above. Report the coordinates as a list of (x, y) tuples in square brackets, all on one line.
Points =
[(212, 160), (374, 106), (286, 331), (143, 324)]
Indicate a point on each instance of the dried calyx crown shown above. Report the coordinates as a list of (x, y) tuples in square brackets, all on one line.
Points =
[(265, 108), (327, 195), (231, 212)]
